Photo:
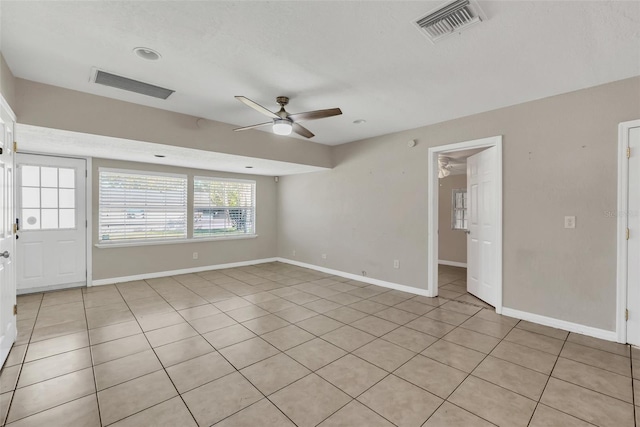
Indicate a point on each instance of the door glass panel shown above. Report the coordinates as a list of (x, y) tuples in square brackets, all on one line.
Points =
[(31, 176), (45, 191), (67, 198), (67, 218), (67, 178), (30, 219), (30, 197), (49, 218), (49, 198), (49, 177)]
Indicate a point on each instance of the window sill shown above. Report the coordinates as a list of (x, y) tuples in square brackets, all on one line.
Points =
[(172, 242)]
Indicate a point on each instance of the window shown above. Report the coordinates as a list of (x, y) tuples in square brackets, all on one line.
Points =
[(459, 209), (223, 207), (47, 198), (138, 205)]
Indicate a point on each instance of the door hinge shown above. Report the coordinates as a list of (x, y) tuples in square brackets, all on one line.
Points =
[(628, 232), (626, 314), (628, 152), (15, 309), (15, 146)]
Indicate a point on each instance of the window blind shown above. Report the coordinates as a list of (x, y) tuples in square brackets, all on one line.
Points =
[(142, 206), (223, 207)]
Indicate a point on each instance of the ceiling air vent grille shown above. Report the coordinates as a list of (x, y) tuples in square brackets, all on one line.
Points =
[(124, 83), (449, 19)]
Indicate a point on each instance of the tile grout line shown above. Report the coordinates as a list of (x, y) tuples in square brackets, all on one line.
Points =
[(93, 370), (15, 387), (163, 367)]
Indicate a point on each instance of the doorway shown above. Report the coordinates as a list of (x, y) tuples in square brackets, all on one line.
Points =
[(480, 219), (628, 218), (51, 215)]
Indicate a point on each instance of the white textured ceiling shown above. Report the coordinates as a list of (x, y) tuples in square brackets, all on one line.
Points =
[(364, 57), (37, 139)]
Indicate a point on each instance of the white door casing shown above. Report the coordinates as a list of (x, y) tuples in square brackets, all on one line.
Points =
[(8, 330), (495, 142), (481, 233), (632, 217), (52, 217)]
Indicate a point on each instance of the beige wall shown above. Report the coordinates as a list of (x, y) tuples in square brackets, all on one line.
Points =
[(58, 108), (128, 261), (7, 83), (559, 159), (452, 244)]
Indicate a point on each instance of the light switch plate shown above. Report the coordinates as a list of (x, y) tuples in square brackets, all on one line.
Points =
[(569, 222)]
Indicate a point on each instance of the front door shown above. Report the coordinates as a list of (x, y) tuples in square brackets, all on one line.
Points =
[(633, 249), (52, 219), (7, 238), (482, 223)]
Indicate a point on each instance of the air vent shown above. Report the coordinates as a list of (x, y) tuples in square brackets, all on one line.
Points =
[(113, 80), (449, 19)]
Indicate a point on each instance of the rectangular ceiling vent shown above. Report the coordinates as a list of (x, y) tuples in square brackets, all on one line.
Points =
[(107, 79), (451, 18)]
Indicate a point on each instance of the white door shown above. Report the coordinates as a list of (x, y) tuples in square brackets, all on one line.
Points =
[(633, 248), (7, 238), (52, 221), (482, 223)]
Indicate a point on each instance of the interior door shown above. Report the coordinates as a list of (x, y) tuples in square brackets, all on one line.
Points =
[(52, 218), (7, 275), (482, 226), (633, 244)]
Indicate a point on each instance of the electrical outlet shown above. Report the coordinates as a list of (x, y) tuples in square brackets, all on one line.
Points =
[(569, 222), (396, 263), (195, 255), (293, 252), (324, 256)]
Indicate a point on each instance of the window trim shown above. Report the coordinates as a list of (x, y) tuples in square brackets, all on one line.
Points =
[(143, 242), (229, 236)]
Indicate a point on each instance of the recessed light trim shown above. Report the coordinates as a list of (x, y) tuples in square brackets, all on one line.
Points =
[(147, 53), (359, 121), (159, 155), (248, 167)]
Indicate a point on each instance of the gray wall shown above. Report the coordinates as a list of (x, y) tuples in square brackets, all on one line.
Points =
[(560, 158), (127, 261), (452, 244), (58, 108), (7, 83)]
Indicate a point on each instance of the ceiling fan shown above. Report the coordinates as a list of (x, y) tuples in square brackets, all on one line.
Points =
[(283, 122)]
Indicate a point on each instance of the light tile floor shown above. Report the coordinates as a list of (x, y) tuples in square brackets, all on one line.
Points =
[(277, 345)]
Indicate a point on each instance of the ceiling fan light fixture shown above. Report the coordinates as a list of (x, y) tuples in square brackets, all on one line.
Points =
[(282, 127)]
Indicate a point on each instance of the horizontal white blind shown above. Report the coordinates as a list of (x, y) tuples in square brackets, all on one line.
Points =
[(223, 207), (142, 206)]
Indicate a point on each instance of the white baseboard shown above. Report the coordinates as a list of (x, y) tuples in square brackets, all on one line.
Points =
[(561, 324), (365, 279), (112, 280), (452, 263)]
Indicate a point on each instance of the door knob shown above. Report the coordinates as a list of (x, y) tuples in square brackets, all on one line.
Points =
[(5, 254)]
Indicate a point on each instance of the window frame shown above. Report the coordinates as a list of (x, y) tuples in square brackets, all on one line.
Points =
[(455, 208), (224, 236), (142, 241)]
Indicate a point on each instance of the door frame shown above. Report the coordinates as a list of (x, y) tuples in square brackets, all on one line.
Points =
[(622, 250), (432, 210), (88, 205)]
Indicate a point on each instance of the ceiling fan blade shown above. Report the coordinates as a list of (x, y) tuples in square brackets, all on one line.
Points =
[(257, 107), (253, 126), (303, 131), (314, 115)]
